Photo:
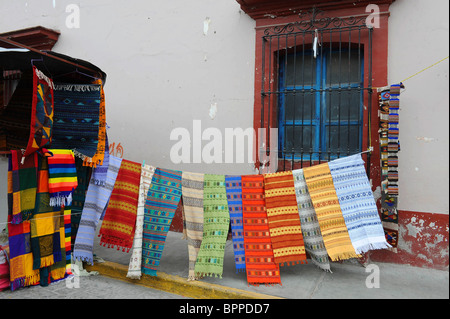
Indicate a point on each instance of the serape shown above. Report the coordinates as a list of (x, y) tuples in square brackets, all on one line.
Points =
[(163, 197), (192, 189), (119, 222), (284, 221), (62, 175), (45, 241), (357, 203), (216, 222), (24, 185), (41, 113), (326, 204), (97, 197), (233, 186), (312, 236), (134, 267), (259, 261), (76, 118)]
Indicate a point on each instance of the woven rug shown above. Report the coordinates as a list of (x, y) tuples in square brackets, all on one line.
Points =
[(76, 118), (233, 186), (62, 177), (216, 222), (162, 200), (284, 221), (58, 270), (97, 197), (134, 267), (259, 260), (41, 113), (312, 236), (24, 185), (192, 189), (326, 204), (119, 223)]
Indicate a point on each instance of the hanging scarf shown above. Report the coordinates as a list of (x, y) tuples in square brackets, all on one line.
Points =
[(119, 222), (41, 113), (312, 236), (233, 186), (97, 197), (326, 204), (58, 270), (24, 184), (134, 268), (62, 175), (216, 222), (76, 118), (192, 188), (162, 200), (284, 221), (100, 171), (357, 204), (259, 261)]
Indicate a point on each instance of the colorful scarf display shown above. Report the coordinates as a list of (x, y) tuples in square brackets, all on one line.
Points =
[(357, 204), (162, 200), (119, 222), (259, 261), (216, 223), (312, 236), (192, 189), (62, 175), (41, 113), (284, 221), (97, 198), (326, 204), (233, 186), (134, 267), (76, 118), (24, 185)]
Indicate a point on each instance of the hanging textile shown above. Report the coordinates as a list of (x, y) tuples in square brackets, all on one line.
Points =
[(216, 222), (62, 175), (76, 118), (192, 189), (312, 236), (97, 197), (233, 186), (282, 216), (24, 184), (41, 113), (134, 267), (326, 204), (100, 172), (259, 261), (119, 222), (59, 268), (162, 200), (357, 203)]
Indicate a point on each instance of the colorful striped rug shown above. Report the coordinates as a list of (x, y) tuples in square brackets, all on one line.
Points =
[(62, 177)]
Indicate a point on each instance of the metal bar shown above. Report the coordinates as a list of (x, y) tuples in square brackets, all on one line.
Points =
[(349, 93), (369, 104)]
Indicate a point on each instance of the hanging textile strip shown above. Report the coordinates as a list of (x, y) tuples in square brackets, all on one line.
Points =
[(312, 236), (119, 223), (284, 220), (393, 135), (58, 270), (192, 189), (134, 267), (24, 185), (76, 118), (41, 113), (99, 174), (102, 145), (357, 204), (216, 222), (62, 175), (259, 261), (97, 197), (326, 204), (163, 197), (45, 239), (233, 186)]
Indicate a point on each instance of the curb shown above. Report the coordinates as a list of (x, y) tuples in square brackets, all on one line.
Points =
[(176, 284)]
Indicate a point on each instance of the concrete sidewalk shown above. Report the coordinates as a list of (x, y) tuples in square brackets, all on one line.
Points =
[(348, 280)]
